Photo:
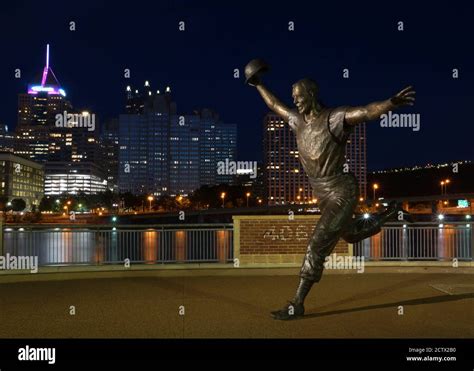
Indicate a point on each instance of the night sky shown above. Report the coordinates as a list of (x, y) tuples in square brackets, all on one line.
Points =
[(198, 63)]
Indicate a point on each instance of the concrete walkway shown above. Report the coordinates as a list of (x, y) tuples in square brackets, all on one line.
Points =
[(237, 306)]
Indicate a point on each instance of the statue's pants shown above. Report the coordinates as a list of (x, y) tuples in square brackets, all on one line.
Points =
[(337, 198)]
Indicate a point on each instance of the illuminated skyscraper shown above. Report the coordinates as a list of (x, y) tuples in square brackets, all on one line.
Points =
[(356, 157), (162, 152), (37, 110), (49, 131), (285, 181)]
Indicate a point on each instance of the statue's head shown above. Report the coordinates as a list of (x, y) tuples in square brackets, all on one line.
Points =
[(305, 95)]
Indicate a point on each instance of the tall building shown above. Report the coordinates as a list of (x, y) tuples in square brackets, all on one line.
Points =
[(162, 152), (356, 157), (285, 180), (51, 132), (21, 178), (37, 110), (217, 142), (109, 145)]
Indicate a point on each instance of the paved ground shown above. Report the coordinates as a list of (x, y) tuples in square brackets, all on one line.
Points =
[(341, 306)]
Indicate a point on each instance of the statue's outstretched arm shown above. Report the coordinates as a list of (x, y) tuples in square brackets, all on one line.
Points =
[(274, 103), (372, 111)]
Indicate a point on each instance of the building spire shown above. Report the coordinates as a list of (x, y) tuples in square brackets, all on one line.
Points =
[(46, 67)]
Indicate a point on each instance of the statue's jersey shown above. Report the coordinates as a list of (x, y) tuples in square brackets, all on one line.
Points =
[(322, 142)]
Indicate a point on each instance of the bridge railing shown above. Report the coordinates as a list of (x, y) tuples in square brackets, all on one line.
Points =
[(77, 245), (419, 241)]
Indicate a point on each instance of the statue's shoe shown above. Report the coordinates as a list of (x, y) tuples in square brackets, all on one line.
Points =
[(289, 311)]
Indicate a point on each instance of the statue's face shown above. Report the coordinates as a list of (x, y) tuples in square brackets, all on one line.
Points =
[(302, 99)]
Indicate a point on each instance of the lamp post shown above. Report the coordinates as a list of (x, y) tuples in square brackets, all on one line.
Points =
[(442, 185), (446, 182), (375, 187), (150, 199), (248, 195), (223, 198)]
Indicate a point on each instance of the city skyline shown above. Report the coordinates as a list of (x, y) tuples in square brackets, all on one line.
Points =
[(198, 77)]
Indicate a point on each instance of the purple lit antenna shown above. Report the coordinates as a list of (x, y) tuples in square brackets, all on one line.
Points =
[(46, 68)]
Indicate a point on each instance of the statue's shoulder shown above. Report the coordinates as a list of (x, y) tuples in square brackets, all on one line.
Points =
[(294, 119)]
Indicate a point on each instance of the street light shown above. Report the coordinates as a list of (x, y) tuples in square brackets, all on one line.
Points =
[(223, 198), (248, 195), (150, 199), (375, 187), (446, 182), (442, 184)]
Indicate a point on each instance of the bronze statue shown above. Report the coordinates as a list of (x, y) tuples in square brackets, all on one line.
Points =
[(321, 134)]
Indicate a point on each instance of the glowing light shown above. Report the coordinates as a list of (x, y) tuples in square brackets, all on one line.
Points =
[(168, 89), (129, 88), (468, 217), (440, 217), (366, 215)]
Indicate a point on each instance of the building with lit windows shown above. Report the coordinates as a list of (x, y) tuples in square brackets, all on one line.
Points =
[(21, 178), (109, 148), (217, 142), (284, 178), (356, 157), (164, 153), (285, 181), (7, 139), (51, 132), (37, 110), (73, 178)]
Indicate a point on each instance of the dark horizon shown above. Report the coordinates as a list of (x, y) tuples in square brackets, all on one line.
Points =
[(198, 63)]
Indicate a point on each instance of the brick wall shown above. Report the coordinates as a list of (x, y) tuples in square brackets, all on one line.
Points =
[(274, 239)]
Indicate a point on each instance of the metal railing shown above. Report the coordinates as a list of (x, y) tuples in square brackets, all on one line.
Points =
[(419, 241), (84, 244)]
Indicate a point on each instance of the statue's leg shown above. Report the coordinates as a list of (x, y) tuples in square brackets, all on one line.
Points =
[(334, 219), (337, 207)]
